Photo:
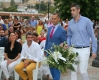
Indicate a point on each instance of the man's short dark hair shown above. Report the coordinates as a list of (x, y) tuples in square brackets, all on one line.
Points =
[(75, 5), (35, 34), (29, 33), (58, 15)]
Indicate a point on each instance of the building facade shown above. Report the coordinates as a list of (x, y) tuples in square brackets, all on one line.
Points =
[(6, 3)]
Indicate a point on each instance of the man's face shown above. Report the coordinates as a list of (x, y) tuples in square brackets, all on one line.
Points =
[(55, 19), (75, 12), (11, 29), (29, 39), (34, 38), (1, 33), (67, 21), (32, 18)]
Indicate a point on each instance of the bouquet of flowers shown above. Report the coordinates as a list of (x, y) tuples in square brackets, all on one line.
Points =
[(62, 58)]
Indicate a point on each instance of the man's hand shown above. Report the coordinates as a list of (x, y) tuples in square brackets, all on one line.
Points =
[(26, 63), (44, 54), (23, 60), (61, 45), (94, 55), (64, 46)]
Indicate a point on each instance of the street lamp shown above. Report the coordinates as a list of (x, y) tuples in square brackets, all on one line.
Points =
[(95, 10), (21, 1), (48, 8), (39, 6)]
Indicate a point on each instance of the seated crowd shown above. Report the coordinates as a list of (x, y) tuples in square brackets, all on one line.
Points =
[(22, 42)]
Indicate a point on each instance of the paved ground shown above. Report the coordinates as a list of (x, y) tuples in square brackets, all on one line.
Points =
[(93, 73)]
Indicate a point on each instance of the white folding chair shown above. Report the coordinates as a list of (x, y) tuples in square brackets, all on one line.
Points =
[(1, 59), (35, 73)]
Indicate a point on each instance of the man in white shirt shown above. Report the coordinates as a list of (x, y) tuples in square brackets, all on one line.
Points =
[(1, 21), (31, 53)]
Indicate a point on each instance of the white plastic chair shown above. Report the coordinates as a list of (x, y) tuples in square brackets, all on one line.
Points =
[(1, 59), (35, 73)]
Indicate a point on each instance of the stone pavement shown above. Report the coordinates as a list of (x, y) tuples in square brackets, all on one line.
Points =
[(93, 73)]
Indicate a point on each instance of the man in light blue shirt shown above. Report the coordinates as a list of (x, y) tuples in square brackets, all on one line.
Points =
[(80, 31), (33, 22)]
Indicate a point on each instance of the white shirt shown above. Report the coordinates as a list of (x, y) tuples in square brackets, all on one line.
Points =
[(1, 21), (33, 52), (42, 44), (18, 40)]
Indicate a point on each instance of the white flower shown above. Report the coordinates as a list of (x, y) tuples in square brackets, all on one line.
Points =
[(58, 55), (70, 50)]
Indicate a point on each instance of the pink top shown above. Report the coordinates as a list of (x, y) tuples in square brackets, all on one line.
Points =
[(50, 24)]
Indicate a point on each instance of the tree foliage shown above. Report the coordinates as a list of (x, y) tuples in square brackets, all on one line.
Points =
[(42, 6), (52, 9), (89, 8), (10, 9), (12, 3)]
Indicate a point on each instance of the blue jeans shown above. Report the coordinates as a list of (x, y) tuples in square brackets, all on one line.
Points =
[(55, 73)]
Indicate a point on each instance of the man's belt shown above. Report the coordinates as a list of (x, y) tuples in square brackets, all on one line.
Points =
[(81, 47)]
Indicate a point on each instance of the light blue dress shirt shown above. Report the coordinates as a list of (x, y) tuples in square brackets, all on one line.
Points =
[(55, 28), (80, 32), (33, 23)]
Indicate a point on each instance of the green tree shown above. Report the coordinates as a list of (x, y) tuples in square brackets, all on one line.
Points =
[(97, 9), (89, 8), (12, 3), (42, 6), (10, 9), (52, 9), (37, 6)]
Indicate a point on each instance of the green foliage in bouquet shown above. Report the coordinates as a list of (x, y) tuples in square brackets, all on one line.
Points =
[(66, 59)]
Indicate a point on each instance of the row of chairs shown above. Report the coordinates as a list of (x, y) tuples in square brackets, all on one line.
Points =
[(35, 72)]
